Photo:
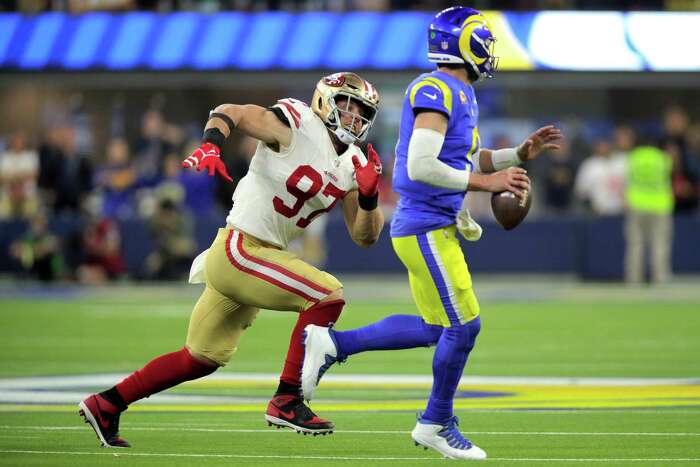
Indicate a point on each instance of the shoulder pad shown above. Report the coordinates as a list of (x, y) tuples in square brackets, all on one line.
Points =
[(295, 110), (431, 93)]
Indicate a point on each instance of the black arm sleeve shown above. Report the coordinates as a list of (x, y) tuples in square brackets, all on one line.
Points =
[(280, 115)]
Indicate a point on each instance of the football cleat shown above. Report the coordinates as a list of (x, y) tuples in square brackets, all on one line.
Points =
[(103, 416), (289, 411), (320, 353), (446, 439)]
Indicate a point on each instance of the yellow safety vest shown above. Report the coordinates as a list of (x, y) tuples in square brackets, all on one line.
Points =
[(649, 180)]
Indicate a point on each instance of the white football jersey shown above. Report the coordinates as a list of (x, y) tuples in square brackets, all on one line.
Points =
[(285, 191)]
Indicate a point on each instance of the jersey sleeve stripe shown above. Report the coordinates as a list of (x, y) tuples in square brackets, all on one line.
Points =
[(239, 261), (418, 87), (446, 92), (296, 116)]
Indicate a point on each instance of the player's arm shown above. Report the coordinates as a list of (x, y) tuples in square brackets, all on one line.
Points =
[(362, 215), (252, 120), (490, 160), (424, 166), (364, 225)]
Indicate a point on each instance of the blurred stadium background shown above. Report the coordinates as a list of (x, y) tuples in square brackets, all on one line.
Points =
[(102, 100)]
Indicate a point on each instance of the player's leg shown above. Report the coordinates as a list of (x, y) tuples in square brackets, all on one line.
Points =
[(442, 289), (661, 239), (634, 247), (326, 346), (215, 327), (275, 279)]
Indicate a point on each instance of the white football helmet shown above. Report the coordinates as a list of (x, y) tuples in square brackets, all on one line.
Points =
[(351, 88)]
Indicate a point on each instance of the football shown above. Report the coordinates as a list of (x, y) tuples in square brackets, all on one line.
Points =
[(508, 210)]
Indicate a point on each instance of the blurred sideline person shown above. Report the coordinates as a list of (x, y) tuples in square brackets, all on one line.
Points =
[(172, 231), (19, 171), (600, 181), (305, 162), (438, 158), (649, 220), (100, 245), (38, 251)]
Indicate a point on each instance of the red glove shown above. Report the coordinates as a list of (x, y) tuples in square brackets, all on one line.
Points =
[(368, 176), (208, 156)]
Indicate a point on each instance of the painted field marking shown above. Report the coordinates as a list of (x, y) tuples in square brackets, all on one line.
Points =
[(54, 393), (329, 458), (362, 432)]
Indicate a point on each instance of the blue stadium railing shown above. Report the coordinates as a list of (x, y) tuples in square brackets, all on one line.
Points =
[(589, 248)]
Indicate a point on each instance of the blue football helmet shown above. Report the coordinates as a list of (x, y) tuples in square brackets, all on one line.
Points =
[(463, 35)]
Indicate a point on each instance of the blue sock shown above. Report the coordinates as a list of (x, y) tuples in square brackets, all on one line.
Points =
[(451, 354), (394, 332)]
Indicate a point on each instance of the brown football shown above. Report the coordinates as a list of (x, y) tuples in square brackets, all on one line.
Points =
[(508, 210)]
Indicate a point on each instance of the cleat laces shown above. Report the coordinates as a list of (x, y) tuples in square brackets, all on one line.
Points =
[(453, 436)]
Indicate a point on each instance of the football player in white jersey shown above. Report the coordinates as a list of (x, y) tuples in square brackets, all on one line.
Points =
[(305, 162)]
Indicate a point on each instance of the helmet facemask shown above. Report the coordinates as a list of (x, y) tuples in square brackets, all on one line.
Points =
[(346, 133), (489, 65)]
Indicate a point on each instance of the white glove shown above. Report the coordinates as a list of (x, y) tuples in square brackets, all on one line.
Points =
[(468, 227)]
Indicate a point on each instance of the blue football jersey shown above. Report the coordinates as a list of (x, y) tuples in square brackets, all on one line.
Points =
[(424, 207)]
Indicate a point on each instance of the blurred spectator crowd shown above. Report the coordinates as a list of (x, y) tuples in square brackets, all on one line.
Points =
[(61, 175)]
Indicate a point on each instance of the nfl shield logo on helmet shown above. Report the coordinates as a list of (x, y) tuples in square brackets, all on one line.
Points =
[(444, 45)]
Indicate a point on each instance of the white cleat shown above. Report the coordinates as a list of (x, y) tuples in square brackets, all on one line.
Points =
[(319, 355), (447, 440)]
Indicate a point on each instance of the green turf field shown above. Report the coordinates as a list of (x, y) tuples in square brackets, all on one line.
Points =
[(528, 398)]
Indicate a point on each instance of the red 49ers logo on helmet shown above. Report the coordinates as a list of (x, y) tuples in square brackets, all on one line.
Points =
[(335, 80)]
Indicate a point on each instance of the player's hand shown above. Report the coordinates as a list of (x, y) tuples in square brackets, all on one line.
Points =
[(368, 176), (208, 156), (547, 137), (513, 179)]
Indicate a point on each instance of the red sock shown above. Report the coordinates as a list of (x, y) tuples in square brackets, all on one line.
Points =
[(321, 314), (162, 373)]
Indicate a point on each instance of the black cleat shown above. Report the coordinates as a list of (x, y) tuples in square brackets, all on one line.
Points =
[(289, 411), (103, 416)]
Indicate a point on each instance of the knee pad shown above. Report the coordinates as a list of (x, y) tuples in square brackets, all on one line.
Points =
[(463, 337), (218, 357), (432, 332)]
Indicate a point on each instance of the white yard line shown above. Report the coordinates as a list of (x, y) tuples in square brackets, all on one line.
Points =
[(362, 432), (122, 453)]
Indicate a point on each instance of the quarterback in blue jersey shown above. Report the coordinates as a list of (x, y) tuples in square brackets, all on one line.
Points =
[(438, 160)]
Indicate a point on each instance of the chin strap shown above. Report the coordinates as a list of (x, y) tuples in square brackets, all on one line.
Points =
[(345, 136)]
